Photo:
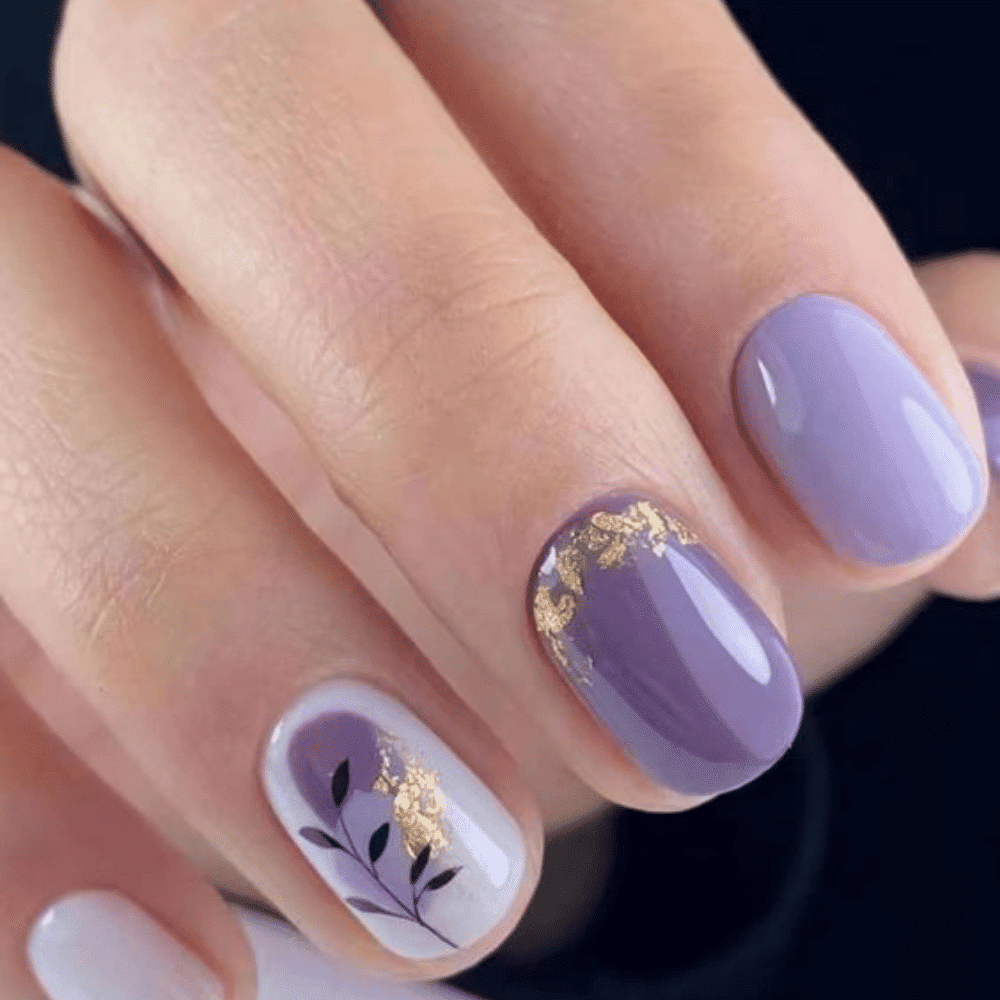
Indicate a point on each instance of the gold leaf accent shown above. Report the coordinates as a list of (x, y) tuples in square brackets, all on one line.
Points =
[(551, 618), (656, 524), (570, 563), (682, 532), (608, 538), (418, 803), (614, 555)]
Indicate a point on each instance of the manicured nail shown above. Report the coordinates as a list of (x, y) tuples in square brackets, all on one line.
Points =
[(668, 652), (411, 840), (290, 968), (97, 945), (852, 428), (986, 386)]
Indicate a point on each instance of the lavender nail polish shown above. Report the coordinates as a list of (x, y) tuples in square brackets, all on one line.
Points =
[(664, 647), (855, 432), (418, 848), (985, 383)]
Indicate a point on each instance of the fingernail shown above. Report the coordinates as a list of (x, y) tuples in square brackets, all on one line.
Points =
[(290, 968), (665, 648), (855, 432), (418, 848), (97, 945), (986, 386)]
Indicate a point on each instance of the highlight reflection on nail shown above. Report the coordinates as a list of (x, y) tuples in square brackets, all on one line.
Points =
[(664, 647), (410, 839)]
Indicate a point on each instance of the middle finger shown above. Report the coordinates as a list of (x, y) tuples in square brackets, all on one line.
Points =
[(462, 387)]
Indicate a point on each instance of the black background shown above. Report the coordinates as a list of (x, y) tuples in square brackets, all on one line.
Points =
[(866, 863)]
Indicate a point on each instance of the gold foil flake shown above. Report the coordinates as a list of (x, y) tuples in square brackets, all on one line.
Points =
[(662, 523), (614, 555), (654, 522), (418, 803), (570, 563), (618, 532), (551, 619), (620, 525)]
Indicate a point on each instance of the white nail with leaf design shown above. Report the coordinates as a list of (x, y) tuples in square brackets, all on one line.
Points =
[(410, 839)]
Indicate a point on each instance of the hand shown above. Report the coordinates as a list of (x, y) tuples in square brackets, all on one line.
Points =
[(448, 368)]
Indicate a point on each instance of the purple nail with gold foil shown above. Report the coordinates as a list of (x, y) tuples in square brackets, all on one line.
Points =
[(664, 647), (417, 847)]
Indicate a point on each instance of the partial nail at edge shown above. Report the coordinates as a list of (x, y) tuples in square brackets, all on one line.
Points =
[(417, 847), (663, 646), (985, 383), (98, 945)]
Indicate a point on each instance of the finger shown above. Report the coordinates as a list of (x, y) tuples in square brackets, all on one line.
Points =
[(62, 709), (658, 155), (159, 571), (85, 881), (965, 292), (462, 388), (267, 434)]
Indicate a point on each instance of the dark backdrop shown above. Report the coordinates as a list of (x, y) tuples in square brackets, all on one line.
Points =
[(865, 864)]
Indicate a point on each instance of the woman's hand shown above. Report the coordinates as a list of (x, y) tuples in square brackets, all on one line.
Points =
[(631, 306)]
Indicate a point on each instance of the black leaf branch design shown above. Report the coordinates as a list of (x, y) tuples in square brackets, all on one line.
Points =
[(419, 864), (339, 788), (377, 844)]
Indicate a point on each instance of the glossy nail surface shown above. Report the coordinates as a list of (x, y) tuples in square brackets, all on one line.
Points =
[(985, 383), (855, 432), (98, 945), (290, 968), (419, 849), (664, 647)]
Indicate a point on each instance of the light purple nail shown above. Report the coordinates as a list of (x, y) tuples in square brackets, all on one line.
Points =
[(418, 848), (668, 652), (985, 383), (855, 432)]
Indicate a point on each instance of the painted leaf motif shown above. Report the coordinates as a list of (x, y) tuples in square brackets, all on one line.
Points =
[(320, 838), (419, 864), (377, 844), (341, 783), (440, 881), (366, 906)]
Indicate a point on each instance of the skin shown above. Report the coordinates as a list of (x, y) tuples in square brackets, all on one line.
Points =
[(375, 306)]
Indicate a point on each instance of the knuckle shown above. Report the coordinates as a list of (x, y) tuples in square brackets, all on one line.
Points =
[(130, 572), (114, 548), (462, 313)]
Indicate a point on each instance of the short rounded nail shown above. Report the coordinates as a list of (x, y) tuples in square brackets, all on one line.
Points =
[(417, 847), (290, 968), (663, 646), (855, 432), (98, 945), (985, 382)]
